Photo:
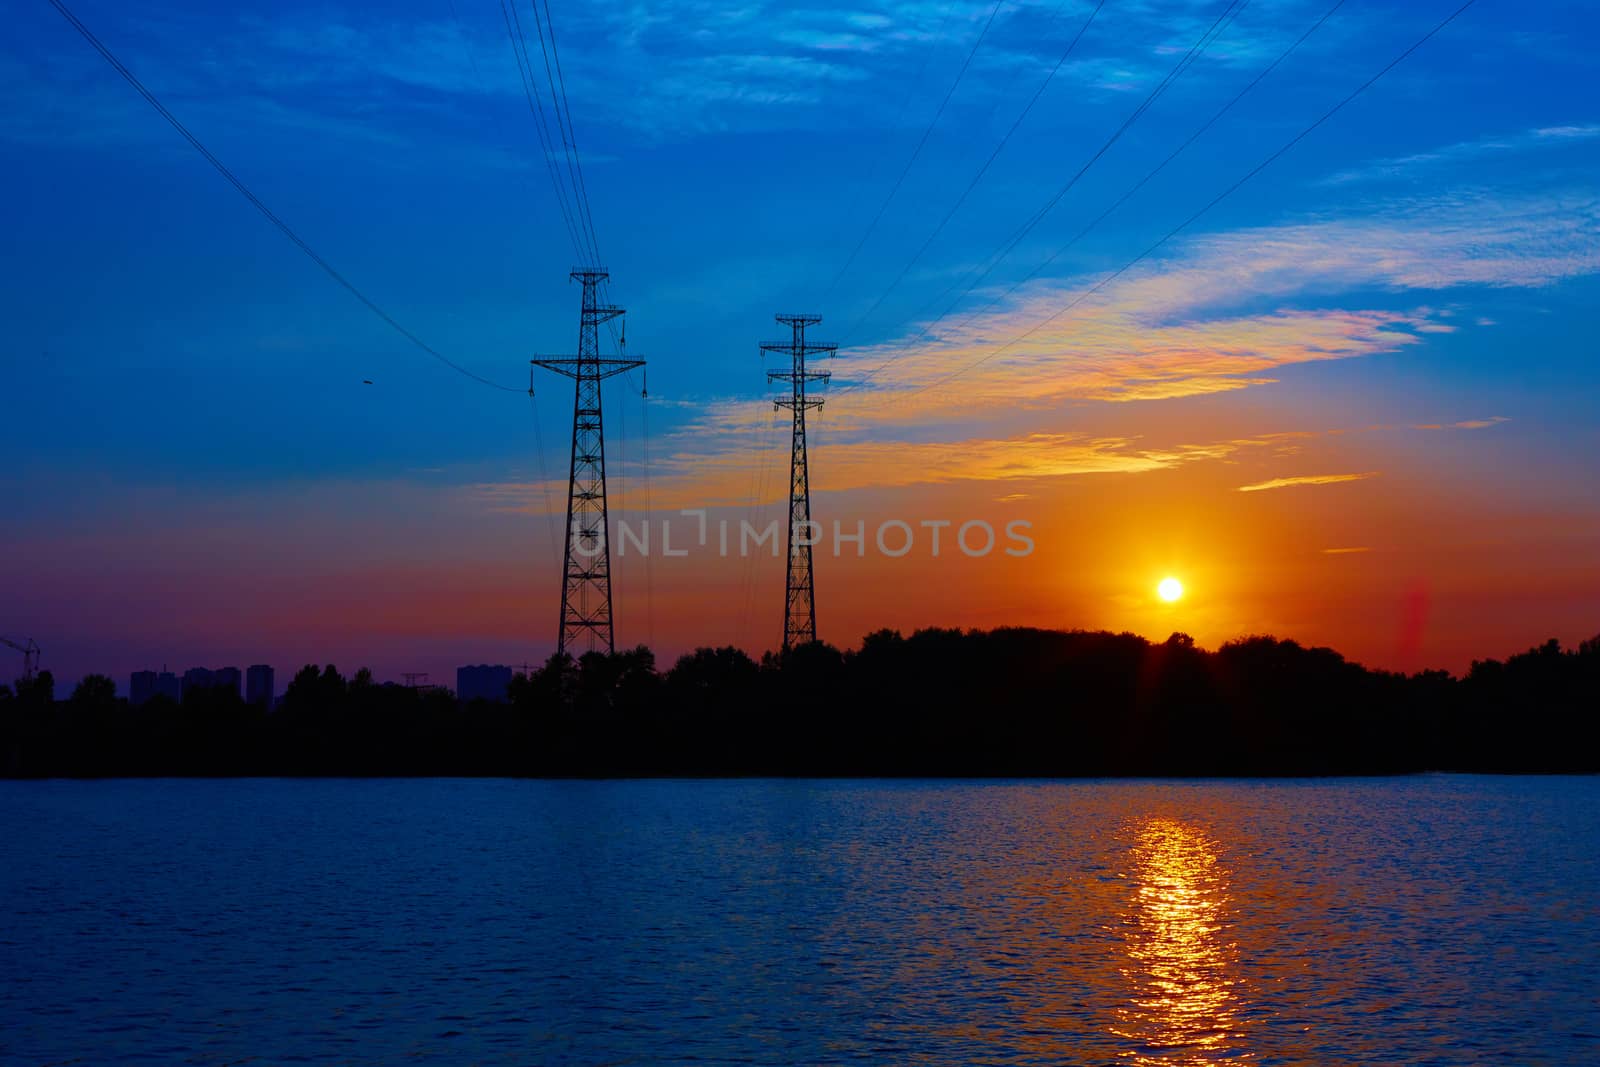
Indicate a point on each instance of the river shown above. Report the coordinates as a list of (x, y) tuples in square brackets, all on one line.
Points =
[(1440, 919)]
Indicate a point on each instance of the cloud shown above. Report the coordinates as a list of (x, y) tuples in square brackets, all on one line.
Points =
[(1354, 550), (1306, 479), (1465, 424), (1174, 328), (1543, 138), (380, 82), (736, 464), (1119, 351), (1459, 238), (682, 68), (1038, 455)]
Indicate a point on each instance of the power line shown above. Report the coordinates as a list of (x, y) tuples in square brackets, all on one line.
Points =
[(570, 139), (267, 212), (1196, 50), (589, 246), (1216, 116), (1158, 168), (1211, 33), (912, 85), (1192, 219), (1017, 69), (916, 151), (768, 446), (585, 241), (571, 136), (649, 580), (978, 177), (541, 126), (542, 475)]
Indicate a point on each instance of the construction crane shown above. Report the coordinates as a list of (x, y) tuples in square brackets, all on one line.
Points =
[(30, 655)]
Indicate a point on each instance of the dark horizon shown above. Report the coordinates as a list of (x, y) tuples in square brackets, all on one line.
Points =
[(1007, 702), (281, 674)]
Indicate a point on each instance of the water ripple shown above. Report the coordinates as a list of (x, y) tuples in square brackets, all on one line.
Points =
[(1448, 920)]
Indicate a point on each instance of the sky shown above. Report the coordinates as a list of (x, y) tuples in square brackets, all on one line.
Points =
[(1350, 402)]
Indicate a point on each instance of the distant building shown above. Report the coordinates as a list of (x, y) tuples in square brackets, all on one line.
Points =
[(482, 682), (226, 678), (141, 687), (167, 685), (258, 685), (197, 678)]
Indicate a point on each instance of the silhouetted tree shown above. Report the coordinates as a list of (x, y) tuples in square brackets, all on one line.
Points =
[(302, 691), (331, 686), (95, 690), (1011, 701), (701, 676), (38, 692), (553, 686)]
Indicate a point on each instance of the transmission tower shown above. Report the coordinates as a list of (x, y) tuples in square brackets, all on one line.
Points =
[(586, 564), (799, 601)]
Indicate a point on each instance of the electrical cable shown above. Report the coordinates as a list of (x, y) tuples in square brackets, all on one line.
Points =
[(915, 153), (267, 212), (1196, 216)]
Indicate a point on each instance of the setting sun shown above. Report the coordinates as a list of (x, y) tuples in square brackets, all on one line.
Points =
[(1169, 590)]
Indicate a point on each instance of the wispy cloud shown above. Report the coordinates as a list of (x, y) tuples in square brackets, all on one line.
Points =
[(1118, 351), (1306, 479), (1465, 424), (1351, 551), (1173, 328), (681, 68), (694, 477), (1541, 138)]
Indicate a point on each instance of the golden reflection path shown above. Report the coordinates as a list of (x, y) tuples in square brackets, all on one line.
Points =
[(1183, 965)]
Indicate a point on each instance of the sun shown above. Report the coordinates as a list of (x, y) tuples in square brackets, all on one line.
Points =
[(1169, 589)]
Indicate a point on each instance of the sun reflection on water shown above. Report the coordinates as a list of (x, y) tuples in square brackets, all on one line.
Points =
[(1183, 965)]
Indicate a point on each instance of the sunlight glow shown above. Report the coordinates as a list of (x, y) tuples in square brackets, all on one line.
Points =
[(1169, 590)]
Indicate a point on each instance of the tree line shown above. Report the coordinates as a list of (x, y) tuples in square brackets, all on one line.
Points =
[(1005, 702)]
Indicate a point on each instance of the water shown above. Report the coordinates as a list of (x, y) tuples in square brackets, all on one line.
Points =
[(1424, 920)]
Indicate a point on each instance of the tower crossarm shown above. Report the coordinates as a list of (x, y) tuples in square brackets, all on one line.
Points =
[(572, 366), (794, 376), (809, 348)]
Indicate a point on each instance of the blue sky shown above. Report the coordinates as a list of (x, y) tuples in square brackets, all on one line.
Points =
[(1426, 258)]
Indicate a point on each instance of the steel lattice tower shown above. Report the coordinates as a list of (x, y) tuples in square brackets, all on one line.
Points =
[(799, 600), (586, 566)]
